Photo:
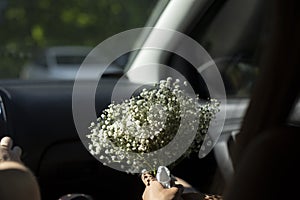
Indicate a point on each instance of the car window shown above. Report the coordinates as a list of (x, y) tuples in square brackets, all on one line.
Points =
[(233, 39), (69, 60), (231, 36), (40, 34)]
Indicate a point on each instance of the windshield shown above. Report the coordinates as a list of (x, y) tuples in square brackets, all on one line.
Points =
[(30, 29), (70, 60)]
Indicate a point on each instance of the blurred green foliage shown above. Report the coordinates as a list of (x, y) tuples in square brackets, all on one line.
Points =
[(26, 25)]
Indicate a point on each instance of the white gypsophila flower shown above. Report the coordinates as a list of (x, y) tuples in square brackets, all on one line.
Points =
[(148, 122)]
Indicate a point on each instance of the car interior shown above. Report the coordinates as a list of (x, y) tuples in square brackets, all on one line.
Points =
[(256, 156), (265, 154)]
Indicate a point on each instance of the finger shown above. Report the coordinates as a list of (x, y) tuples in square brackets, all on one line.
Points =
[(213, 197), (183, 182), (6, 142), (4, 155), (147, 178), (17, 151), (173, 189)]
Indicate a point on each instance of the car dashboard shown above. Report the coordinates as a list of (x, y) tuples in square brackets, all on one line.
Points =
[(38, 116)]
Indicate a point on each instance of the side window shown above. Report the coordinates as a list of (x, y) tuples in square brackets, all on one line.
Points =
[(232, 38), (239, 78)]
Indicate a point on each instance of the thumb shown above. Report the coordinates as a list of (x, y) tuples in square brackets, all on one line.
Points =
[(173, 189), (6, 142)]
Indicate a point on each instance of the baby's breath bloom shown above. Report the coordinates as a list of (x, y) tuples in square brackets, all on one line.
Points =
[(148, 122)]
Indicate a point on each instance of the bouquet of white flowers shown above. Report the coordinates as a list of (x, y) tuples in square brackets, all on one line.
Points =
[(131, 135)]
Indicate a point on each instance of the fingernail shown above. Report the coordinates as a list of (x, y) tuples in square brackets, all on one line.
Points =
[(6, 142)]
